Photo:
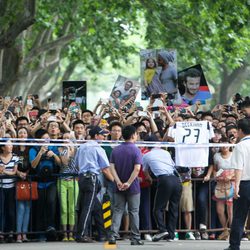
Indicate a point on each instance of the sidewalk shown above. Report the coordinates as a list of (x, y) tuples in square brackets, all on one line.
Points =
[(161, 245)]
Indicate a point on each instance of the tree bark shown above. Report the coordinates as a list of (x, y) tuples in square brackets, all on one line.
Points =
[(23, 22)]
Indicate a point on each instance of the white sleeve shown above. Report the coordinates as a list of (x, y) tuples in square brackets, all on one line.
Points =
[(171, 132), (237, 161), (211, 131)]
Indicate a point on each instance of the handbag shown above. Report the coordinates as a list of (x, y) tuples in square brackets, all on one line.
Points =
[(224, 190), (26, 191)]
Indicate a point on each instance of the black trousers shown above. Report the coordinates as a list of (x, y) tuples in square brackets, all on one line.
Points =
[(88, 189), (241, 208), (46, 207), (168, 191), (7, 209)]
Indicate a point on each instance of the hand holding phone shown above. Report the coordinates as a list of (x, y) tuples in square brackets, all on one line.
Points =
[(156, 96), (155, 108)]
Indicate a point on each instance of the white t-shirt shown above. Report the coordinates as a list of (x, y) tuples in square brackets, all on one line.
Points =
[(192, 132), (241, 158), (221, 162), (9, 182)]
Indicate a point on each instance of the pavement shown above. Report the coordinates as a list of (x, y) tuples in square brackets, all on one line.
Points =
[(176, 245)]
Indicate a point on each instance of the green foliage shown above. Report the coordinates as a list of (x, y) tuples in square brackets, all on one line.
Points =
[(202, 31)]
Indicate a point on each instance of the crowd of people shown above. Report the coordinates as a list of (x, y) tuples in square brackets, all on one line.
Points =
[(71, 178)]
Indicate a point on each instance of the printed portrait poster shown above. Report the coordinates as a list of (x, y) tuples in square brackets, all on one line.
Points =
[(74, 94), (193, 86), (124, 92), (158, 72)]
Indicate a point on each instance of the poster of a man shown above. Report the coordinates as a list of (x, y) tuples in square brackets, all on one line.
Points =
[(124, 92), (193, 85), (74, 92), (158, 72)]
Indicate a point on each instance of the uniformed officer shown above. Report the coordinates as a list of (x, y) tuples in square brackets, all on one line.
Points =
[(90, 159), (168, 191)]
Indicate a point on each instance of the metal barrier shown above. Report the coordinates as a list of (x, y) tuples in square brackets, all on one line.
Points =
[(39, 206)]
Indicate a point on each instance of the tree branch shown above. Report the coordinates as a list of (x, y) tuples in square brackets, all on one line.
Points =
[(22, 23), (49, 46)]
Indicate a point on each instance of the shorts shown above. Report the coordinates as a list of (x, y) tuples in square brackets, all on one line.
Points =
[(186, 202)]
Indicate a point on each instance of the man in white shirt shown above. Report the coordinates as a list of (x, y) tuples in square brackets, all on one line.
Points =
[(240, 161)]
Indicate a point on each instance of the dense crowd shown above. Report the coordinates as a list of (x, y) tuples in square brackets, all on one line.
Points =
[(55, 168)]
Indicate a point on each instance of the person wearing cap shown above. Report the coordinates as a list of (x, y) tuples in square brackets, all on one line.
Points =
[(90, 159), (168, 75), (168, 191)]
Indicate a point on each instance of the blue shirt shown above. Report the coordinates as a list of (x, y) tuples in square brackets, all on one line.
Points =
[(159, 161), (33, 154), (91, 157)]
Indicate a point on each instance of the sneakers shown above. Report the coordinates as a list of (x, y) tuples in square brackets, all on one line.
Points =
[(112, 240), (65, 239), (204, 236), (197, 235), (203, 227), (212, 237), (189, 236), (244, 237), (147, 237), (176, 236), (71, 239), (136, 242), (85, 239), (159, 236)]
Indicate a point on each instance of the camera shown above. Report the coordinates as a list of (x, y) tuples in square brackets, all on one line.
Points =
[(170, 96), (22, 167), (155, 108), (155, 96), (229, 108)]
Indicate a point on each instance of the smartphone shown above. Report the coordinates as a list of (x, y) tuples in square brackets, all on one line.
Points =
[(53, 106), (155, 109), (11, 109), (229, 108), (7, 115), (142, 113), (29, 102), (155, 96), (7, 98), (170, 96)]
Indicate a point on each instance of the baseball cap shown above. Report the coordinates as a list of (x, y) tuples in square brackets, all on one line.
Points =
[(97, 131)]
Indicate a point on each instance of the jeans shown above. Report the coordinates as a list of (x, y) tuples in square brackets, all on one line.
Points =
[(144, 213), (201, 202), (23, 216), (133, 200)]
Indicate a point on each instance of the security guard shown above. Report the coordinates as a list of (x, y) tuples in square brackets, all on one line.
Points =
[(168, 191), (90, 159)]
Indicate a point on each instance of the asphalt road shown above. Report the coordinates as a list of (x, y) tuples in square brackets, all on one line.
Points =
[(185, 245)]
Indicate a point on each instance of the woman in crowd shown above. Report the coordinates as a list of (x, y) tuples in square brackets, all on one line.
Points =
[(67, 186), (23, 207), (223, 177), (8, 167)]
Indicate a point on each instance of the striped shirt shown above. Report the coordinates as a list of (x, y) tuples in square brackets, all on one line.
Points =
[(9, 182)]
